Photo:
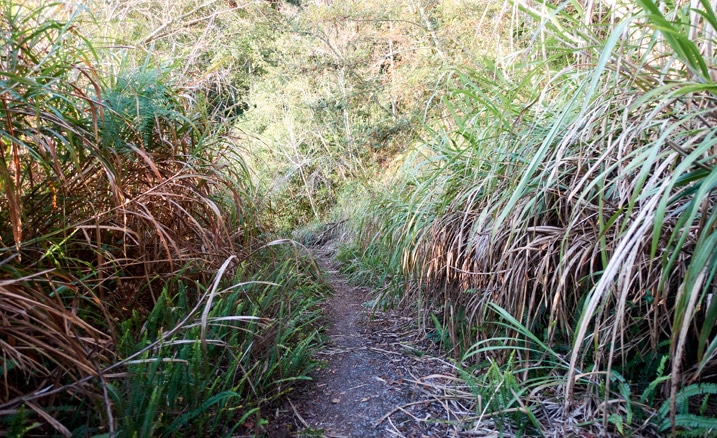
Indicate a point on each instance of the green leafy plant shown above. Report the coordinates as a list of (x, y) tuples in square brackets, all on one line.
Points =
[(225, 361), (692, 421)]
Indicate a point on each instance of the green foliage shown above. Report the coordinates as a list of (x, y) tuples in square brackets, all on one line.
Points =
[(556, 230), (691, 421), (348, 96), (510, 368), (440, 335), (135, 104), (258, 340)]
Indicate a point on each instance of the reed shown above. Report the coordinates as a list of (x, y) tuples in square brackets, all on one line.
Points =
[(574, 191), (131, 258)]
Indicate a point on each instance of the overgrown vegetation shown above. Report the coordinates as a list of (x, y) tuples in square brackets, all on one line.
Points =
[(536, 180), (137, 295), (344, 91), (560, 228)]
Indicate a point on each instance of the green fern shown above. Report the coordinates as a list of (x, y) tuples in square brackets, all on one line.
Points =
[(690, 424), (138, 105), (648, 394), (176, 389)]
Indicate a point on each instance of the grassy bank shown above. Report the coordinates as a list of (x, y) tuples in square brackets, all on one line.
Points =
[(138, 295), (558, 231)]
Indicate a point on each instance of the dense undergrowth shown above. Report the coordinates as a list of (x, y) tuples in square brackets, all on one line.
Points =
[(559, 232), (553, 224), (344, 90), (138, 296)]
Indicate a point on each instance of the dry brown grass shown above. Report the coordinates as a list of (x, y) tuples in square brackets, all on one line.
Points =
[(110, 193), (578, 199)]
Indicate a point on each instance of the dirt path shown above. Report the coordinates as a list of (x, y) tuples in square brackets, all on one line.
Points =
[(371, 384)]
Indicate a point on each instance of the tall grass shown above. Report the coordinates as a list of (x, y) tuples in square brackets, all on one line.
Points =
[(125, 209), (574, 191)]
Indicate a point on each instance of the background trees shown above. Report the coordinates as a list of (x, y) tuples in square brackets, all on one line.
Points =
[(352, 86)]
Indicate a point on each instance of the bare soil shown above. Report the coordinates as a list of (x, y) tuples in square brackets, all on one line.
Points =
[(373, 381)]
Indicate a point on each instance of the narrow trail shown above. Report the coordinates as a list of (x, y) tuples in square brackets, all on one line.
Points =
[(372, 384)]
